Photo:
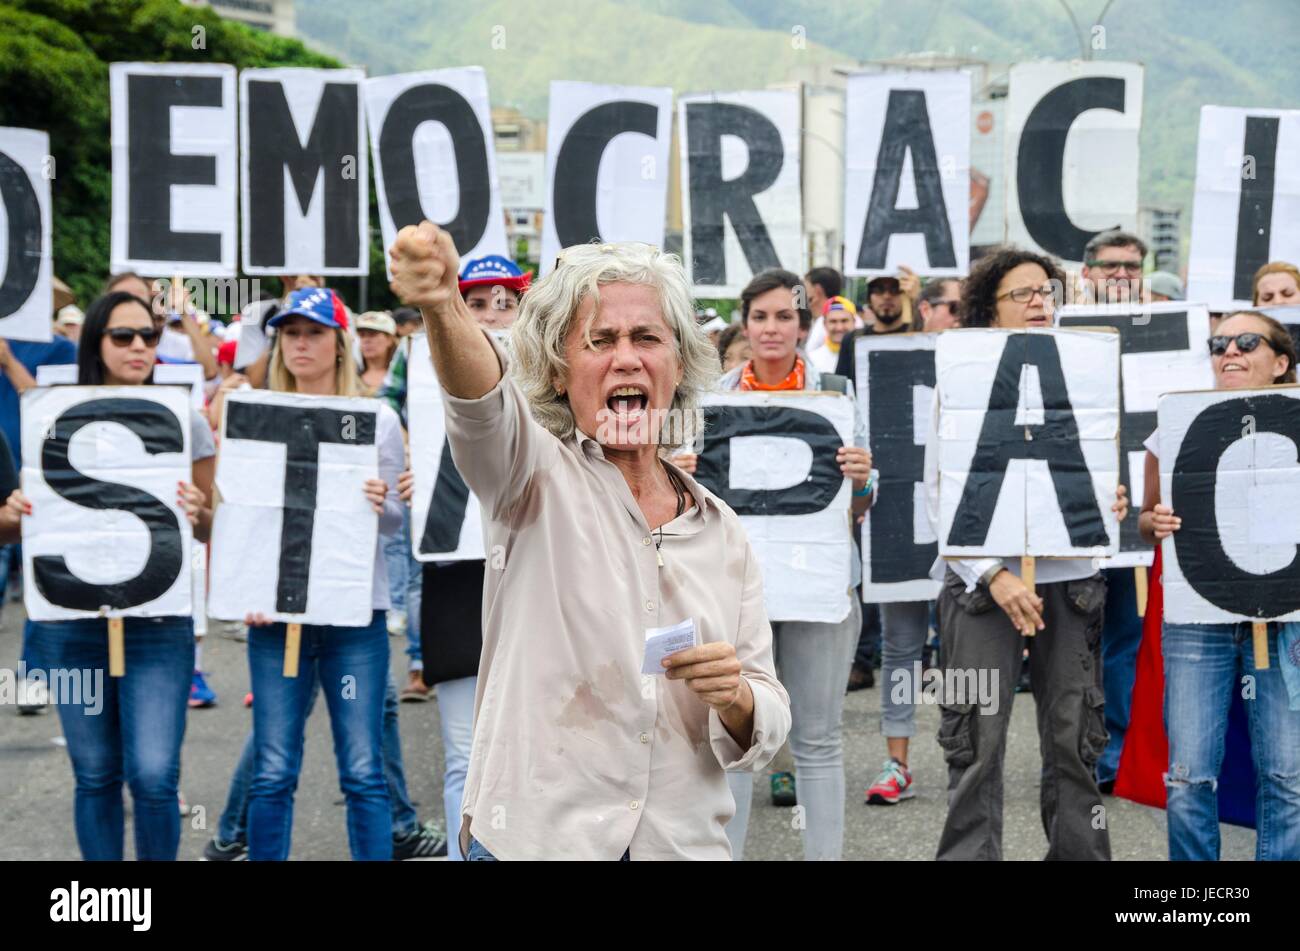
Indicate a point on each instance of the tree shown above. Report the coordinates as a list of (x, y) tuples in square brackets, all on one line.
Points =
[(54, 58)]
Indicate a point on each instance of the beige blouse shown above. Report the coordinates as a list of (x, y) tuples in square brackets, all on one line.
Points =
[(576, 755)]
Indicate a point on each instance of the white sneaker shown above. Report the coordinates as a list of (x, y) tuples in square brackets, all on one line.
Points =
[(397, 623), (33, 697)]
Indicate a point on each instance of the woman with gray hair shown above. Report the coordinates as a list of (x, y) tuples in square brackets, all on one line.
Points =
[(604, 554)]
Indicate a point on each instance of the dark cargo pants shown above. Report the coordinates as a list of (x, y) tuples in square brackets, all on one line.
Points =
[(1065, 668)]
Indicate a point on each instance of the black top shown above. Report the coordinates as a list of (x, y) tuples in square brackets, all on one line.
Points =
[(846, 365), (451, 620)]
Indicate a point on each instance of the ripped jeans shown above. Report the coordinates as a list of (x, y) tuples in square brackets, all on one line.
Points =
[(1204, 663)]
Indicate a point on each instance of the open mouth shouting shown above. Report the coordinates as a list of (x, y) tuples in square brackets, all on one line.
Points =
[(628, 403)]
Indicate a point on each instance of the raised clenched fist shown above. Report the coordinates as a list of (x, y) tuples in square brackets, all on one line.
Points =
[(425, 267)]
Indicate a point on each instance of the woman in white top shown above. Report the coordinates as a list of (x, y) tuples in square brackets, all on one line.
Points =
[(1204, 663), (312, 354)]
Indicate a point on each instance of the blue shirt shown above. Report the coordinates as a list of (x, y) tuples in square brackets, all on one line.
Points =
[(31, 355)]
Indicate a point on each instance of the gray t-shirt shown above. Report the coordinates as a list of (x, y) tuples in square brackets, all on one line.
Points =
[(202, 445)]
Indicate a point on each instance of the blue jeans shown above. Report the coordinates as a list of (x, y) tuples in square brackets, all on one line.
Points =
[(134, 737), (405, 818), (352, 663), (1204, 664), (456, 714), (1121, 636), (414, 598), (397, 559), (905, 625), (233, 825)]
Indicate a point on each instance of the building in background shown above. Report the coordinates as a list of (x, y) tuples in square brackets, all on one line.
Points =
[(822, 87), (270, 16), (1161, 229), (521, 175)]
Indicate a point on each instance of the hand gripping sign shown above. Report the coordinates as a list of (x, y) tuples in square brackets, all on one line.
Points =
[(106, 537), (771, 457), (294, 537), (1228, 468), (1028, 443)]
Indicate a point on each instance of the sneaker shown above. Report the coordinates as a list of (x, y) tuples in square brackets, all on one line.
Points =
[(201, 695), (218, 851), (892, 785), (426, 842), (182, 804), (248, 699), (397, 623), (415, 691), (33, 697), (783, 793), (861, 678)]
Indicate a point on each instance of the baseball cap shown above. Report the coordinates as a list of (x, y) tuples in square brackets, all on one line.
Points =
[(494, 269), (377, 320), (839, 303), (315, 303), (1166, 284), (883, 277), (69, 316)]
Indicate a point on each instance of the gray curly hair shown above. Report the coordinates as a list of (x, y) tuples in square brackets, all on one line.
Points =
[(551, 305)]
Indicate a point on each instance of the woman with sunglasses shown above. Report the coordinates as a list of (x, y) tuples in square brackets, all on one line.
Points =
[(1205, 662), (312, 354), (137, 734)]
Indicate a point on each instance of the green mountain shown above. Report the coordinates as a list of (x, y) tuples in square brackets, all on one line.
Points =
[(1196, 52)]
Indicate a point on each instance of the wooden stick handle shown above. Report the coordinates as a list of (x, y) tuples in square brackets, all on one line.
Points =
[(292, 643), (116, 648), (1259, 635), (1027, 571), (1140, 580)]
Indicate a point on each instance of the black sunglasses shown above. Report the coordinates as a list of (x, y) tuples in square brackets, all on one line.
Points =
[(123, 336), (1245, 343)]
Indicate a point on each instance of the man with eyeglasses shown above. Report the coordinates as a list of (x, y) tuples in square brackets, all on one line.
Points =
[(1112, 268), (1112, 273)]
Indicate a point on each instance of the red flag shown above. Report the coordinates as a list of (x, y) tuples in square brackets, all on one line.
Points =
[(1145, 756)]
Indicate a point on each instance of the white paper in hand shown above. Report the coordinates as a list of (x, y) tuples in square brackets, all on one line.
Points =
[(662, 641)]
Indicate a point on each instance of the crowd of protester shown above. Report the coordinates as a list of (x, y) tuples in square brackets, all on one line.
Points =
[(606, 528)]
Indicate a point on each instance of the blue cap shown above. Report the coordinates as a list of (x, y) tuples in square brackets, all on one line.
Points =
[(319, 304), (494, 269)]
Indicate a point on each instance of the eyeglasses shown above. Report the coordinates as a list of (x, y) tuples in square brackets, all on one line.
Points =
[(1023, 295), (123, 336), (952, 305), (1245, 343), (1110, 267)]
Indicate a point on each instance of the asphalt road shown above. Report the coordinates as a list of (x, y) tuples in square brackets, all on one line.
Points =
[(36, 786)]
